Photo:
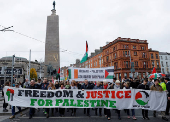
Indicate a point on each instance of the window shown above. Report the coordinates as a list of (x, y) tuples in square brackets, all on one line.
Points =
[(157, 64), (143, 55), (96, 63), (91, 65), (156, 56), (142, 48), (151, 56), (107, 58), (125, 74), (166, 64), (127, 46), (161, 57), (144, 74), (168, 70), (113, 48), (163, 71), (135, 53), (166, 58), (152, 63), (115, 55), (126, 64), (102, 61), (162, 64), (134, 47), (136, 63), (144, 64)]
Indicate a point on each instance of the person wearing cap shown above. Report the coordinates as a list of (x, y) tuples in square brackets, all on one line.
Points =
[(13, 107), (117, 86), (145, 87), (157, 87)]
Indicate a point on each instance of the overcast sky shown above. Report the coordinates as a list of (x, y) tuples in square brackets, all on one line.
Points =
[(96, 21)]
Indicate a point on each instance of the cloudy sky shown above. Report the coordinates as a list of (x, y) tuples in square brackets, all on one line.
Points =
[(96, 21)]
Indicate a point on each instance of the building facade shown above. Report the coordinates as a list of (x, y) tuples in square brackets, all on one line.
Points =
[(21, 69), (125, 54), (164, 62)]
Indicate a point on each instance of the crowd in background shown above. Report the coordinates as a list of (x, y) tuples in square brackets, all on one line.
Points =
[(161, 84)]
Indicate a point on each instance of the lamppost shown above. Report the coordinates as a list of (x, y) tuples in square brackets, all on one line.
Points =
[(5, 64)]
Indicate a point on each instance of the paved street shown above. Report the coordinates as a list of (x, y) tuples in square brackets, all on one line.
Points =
[(39, 116)]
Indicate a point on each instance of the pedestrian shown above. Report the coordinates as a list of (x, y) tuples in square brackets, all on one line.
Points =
[(7, 83), (150, 82), (98, 86), (168, 91), (107, 112), (38, 84), (13, 107), (163, 84), (50, 87), (87, 86), (26, 84), (157, 87), (144, 86), (56, 85), (61, 110), (127, 86), (73, 86), (117, 86), (32, 110), (44, 87)]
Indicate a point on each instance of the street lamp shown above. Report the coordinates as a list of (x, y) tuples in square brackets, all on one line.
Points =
[(5, 64)]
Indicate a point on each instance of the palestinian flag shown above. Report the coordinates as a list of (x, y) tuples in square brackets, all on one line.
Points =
[(85, 55), (154, 70), (58, 74), (109, 73)]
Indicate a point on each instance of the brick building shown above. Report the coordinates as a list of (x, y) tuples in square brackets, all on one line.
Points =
[(119, 53)]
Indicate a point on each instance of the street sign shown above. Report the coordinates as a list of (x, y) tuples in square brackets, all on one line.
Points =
[(132, 70)]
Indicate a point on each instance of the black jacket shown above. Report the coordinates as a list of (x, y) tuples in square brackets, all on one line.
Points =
[(134, 85), (89, 86), (145, 87), (32, 87), (168, 88)]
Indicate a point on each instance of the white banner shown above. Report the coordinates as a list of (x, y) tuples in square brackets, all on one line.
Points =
[(69, 98), (91, 74)]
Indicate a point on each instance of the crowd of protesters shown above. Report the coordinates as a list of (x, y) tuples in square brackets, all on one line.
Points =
[(161, 84)]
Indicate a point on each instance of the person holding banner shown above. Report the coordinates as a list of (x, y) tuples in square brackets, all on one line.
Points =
[(7, 83), (86, 85), (44, 87), (168, 90), (157, 87), (145, 87), (50, 87), (98, 86), (127, 86), (107, 112), (117, 86), (13, 107), (32, 110), (73, 86), (62, 110)]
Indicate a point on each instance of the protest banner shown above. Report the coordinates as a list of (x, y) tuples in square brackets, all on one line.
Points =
[(73, 98), (91, 74)]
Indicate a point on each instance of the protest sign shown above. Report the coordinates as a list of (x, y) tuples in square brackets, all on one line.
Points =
[(73, 98), (91, 74)]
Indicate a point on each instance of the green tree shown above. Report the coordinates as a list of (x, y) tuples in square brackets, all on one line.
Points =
[(33, 74)]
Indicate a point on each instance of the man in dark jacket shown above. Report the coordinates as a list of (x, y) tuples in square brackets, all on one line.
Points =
[(168, 90), (38, 84), (144, 86), (134, 83), (87, 86), (32, 110)]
